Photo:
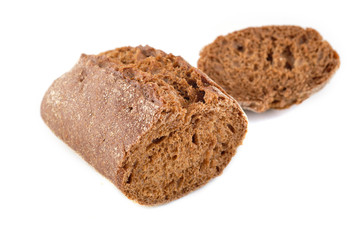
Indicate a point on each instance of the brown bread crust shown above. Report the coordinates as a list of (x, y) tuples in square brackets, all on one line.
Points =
[(148, 121), (271, 66)]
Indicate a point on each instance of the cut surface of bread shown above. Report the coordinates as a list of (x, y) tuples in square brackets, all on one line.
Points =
[(271, 66), (155, 126)]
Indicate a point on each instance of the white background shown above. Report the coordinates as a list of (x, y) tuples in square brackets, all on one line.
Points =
[(297, 175)]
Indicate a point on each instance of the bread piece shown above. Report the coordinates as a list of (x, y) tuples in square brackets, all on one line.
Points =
[(148, 121), (270, 67)]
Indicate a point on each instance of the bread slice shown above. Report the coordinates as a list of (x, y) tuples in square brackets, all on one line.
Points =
[(155, 126), (270, 67)]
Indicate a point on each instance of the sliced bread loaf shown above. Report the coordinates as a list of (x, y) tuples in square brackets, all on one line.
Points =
[(270, 67), (155, 126)]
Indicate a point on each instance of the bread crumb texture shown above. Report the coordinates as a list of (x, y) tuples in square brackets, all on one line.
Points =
[(271, 66), (155, 126)]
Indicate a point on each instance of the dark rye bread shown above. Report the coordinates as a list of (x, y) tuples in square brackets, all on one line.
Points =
[(270, 67), (155, 126)]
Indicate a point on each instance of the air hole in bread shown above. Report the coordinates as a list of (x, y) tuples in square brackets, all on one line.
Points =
[(269, 57), (303, 39), (176, 65), (283, 89), (232, 129), (288, 66), (328, 68), (195, 121), (128, 181), (195, 139), (193, 83), (240, 48), (289, 57), (158, 140), (316, 78), (200, 96)]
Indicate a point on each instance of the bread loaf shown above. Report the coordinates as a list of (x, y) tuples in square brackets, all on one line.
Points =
[(270, 67), (148, 121)]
